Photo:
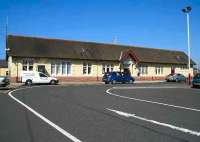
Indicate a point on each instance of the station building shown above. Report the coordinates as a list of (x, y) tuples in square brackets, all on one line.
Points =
[(88, 61)]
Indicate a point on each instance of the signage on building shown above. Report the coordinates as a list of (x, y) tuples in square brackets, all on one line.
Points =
[(126, 63)]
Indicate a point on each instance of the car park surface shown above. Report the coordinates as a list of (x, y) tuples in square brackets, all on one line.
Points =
[(86, 112)]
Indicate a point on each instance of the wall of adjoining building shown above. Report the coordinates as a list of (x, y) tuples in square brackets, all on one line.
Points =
[(3, 71)]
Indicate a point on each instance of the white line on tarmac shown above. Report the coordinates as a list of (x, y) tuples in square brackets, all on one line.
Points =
[(147, 101), (155, 122), (65, 133), (149, 87)]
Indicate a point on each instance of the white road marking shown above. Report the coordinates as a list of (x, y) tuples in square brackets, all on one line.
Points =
[(125, 114), (150, 87), (65, 133), (147, 101)]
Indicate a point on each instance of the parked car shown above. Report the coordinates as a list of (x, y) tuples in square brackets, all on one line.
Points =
[(32, 77), (114, 77), (4, 81), (177, 77), (196, 80)]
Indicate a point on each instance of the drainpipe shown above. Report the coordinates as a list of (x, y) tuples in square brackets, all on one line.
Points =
[(97, 71)]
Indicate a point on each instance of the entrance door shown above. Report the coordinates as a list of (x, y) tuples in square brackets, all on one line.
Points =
[(41, 68), (127, 71)]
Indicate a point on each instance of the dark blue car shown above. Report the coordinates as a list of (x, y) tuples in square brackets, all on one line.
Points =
[(115, 77)]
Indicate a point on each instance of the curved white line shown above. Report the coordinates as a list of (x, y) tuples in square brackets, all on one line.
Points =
[(58, 128), (147, 101)]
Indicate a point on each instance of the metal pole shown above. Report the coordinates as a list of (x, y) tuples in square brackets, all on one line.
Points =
[(188, 35)]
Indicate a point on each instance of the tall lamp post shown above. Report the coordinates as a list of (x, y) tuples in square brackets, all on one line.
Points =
[(187, 10)]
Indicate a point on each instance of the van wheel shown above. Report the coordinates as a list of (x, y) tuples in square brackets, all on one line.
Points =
[(28, 83), (53, 82)]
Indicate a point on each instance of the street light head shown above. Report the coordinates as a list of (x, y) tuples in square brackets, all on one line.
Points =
[(184, 10), (187, 9)]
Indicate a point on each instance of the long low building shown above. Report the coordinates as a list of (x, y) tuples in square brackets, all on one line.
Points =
[(88, 61)]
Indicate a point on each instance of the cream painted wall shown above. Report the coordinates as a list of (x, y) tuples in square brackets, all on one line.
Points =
[(77, 67), (166, 70)]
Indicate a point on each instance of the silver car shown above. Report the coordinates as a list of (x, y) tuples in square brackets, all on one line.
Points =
[(177, 77)]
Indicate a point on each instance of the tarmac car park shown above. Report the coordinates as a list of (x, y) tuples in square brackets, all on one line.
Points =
[(122, 112)]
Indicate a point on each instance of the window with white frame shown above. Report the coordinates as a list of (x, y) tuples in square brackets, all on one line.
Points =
[(27, 65), (143, 69), (53, 69), (158, 70), (69, 68), (107, 68), (87, 68), (61, 68), (58, 69), (183, 67)]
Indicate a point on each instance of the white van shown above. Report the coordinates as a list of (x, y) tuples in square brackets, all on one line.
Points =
[(33, 77)]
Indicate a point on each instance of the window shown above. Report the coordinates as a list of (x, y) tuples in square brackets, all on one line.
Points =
[(58, 69), (53, 69), (183, 67), (63, 68), (69, 68), (87, 68), (107, 68), (42, 75), (158, 70), (27, 65), (143, 69)]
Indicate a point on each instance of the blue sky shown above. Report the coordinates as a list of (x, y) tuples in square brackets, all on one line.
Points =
[(148, 23)]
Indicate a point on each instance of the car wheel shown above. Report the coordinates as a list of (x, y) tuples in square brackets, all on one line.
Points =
[(53, 82), (131, 81), (106, 82), (114, 82), (28, 82)]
